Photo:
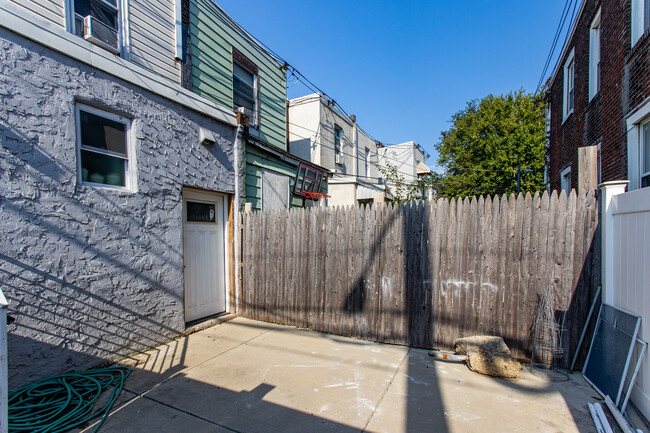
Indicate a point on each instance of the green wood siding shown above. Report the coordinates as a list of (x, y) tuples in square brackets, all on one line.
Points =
[(212, 42), (258, 160)]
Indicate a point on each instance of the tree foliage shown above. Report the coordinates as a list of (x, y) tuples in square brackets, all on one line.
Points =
[(488, 140), (403, 190)]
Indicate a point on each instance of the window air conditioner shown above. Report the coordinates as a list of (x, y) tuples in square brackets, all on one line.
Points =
[(100, 34), (252, 119), (338, 159)]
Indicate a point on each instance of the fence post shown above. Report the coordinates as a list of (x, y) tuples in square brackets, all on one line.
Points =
[(4, 375), (609, 189)]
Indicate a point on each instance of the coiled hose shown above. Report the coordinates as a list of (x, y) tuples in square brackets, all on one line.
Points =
[(60, 403)]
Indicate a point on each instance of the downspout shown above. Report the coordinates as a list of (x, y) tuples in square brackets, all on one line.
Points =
[(240, 195)]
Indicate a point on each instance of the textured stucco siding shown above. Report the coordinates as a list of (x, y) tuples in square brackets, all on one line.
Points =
[(91, 273)]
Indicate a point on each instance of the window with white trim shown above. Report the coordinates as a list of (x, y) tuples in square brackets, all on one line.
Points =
[(367, 163), (594, 56), (565, 180), (105, 156), (338, 137), (640, 19), (599, 176), (645, 154), (100, 22), (569, 84)]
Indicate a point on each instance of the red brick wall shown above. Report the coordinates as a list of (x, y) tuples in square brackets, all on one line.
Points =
[(625, 83)]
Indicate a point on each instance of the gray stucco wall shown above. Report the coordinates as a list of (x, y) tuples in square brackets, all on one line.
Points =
[(91, 273)]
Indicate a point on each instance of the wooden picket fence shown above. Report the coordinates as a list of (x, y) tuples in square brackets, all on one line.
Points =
[(426, 273)]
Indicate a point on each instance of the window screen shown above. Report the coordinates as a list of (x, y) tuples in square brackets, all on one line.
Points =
[(243, 82)]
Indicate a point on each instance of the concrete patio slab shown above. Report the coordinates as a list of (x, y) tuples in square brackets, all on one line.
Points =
[(249, 376), (153, 367), (250, 387)]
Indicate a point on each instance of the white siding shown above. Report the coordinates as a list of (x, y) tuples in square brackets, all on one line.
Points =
[(632, 272), (151, 27), (49, 10), (153, 37)]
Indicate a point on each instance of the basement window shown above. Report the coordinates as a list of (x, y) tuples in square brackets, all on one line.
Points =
[(104, 154)]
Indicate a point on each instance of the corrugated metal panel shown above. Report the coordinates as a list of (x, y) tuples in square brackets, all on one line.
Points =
[(50, 10), (153, 38), (212, 43)]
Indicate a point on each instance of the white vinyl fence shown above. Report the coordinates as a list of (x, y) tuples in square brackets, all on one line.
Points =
[(626, 269)]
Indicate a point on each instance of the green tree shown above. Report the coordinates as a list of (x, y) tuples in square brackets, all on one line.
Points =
[(487, 143)]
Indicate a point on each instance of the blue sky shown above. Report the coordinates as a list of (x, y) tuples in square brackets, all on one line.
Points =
[(405, 67)]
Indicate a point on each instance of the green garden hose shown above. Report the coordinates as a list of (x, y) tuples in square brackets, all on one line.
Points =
[(60, 403)]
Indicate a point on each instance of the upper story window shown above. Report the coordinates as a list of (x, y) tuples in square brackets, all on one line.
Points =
[(105, 157), (594, 56), (569, 82), (640, 19), (645, 154), (367, 163), (338, 136), (99, 22), (245, 87)]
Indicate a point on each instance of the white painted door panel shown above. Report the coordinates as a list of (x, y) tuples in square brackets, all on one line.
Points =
[(204, 256)]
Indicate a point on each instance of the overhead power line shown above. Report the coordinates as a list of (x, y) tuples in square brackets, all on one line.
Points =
[(558, 32)]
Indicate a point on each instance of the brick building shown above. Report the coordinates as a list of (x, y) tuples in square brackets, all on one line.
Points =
[(599, 122)]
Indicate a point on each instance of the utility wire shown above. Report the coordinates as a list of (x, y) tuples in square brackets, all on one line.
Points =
[(401, 162), (565, 10)]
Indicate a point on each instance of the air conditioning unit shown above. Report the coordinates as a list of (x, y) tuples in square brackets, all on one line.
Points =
[(252, 120), (338, 159), (100, 34)]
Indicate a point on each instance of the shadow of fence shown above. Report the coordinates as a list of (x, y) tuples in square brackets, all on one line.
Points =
[(424, 274)]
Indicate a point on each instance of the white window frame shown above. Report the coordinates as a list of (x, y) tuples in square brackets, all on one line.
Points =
[(640, 12), (599, 166), (569, 72), (338, 152), (642, 155), (634, 142), (594, 57), (367, 163), (123, 33), (563, 174), (130, 183)]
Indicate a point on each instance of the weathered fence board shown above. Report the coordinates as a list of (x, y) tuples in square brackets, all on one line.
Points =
[(424, 274)]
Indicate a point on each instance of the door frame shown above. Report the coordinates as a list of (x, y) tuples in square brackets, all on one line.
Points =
[(208, 196)]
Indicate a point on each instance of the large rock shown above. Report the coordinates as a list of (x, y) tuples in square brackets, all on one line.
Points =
[(488, 355)]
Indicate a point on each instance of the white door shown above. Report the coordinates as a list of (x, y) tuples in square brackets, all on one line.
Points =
[(204, 252)]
